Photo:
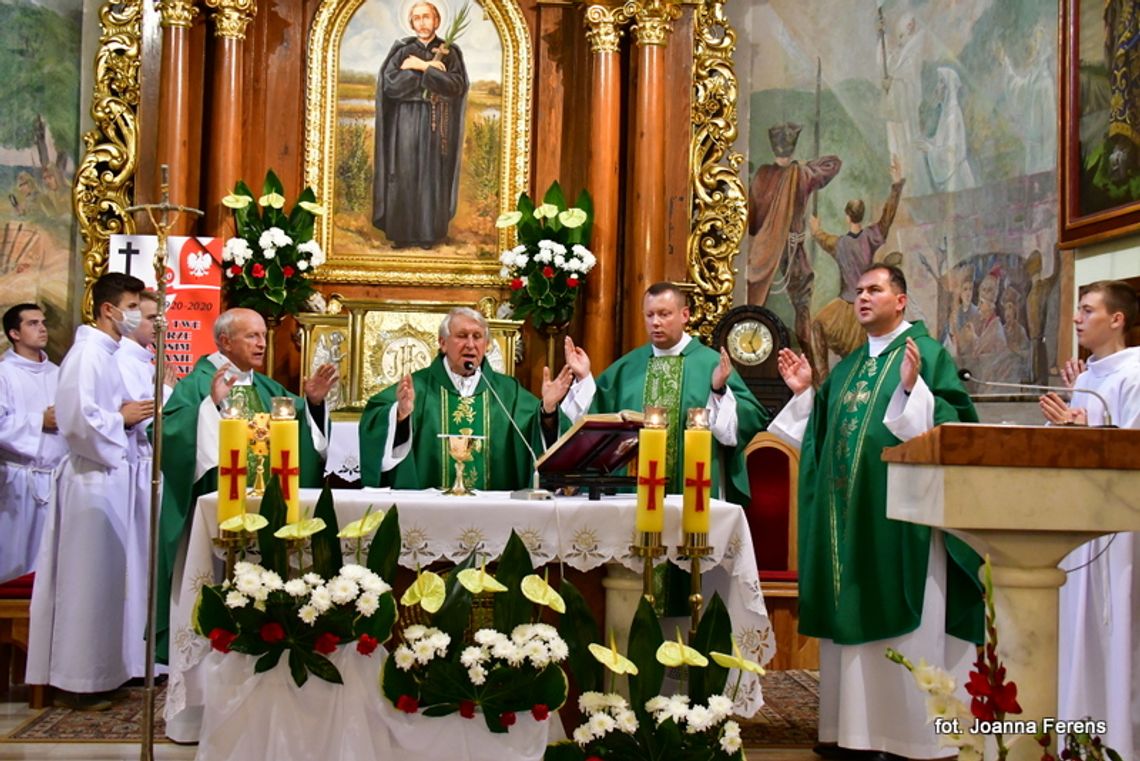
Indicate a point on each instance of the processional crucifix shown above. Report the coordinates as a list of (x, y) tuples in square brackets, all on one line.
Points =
[(160, 218)]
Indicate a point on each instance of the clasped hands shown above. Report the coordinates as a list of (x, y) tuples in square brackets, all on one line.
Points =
[(1055, 409)]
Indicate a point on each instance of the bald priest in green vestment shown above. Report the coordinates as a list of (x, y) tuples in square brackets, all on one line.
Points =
[(868, 582), (677, 372), (190, 433), (401, 428)]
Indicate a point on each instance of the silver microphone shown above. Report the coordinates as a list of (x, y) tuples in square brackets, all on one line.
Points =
[(535, 492), (966, 375)]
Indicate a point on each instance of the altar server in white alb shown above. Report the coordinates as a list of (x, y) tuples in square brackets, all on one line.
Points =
[(1099, 673), (30, 444), (79, 638), (135, 359)]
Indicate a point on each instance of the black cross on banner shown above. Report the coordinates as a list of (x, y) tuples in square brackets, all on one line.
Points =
[(129, 251)]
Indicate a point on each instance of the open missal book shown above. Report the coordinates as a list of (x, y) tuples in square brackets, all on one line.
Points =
[(596, 445)]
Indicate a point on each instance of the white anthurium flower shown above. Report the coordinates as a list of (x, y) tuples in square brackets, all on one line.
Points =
[(545, 211), (274, 200), (508, 219), (572, 218), (236, 201), (313, 208)]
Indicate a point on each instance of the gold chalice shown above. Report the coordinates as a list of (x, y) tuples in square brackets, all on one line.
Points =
[(461, 447)]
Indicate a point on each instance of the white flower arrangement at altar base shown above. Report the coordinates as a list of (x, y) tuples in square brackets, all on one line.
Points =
[(609, 713)]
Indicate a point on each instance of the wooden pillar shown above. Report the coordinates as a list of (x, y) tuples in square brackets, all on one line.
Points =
[(174, 109), (603, 30), (231, 17), (645, 249)]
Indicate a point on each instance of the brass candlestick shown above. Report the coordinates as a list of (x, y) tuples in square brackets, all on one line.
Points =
[(232, 542), (648, 548), (695, 547)]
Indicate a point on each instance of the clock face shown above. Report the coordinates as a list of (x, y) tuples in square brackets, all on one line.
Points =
[(749, 342)]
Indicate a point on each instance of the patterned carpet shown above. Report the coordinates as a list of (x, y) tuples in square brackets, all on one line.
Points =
[(122, 723), (788, 718)]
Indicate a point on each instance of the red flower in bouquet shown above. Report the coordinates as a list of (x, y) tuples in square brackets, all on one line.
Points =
[(407, 704), (548, 272), (540, 711), (467, 709), (507, 718), (571, 282), (288, 270), (367, 644), (326, 643), (272, 632), (257, 270), (220, 640)]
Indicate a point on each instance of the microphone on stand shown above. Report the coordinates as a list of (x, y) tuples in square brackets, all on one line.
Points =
[(966, 375), (536, 491)]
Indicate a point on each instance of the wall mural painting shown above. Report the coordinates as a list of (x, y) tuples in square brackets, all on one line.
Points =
[(918, 132), (419, 131), (39, 126)]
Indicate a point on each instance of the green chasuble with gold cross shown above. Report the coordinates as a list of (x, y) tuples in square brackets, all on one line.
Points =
[(180, 491), (678, 383), (499, 461), (862, 576)]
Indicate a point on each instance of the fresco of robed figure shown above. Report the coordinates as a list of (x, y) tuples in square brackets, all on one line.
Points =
[(418, 134)]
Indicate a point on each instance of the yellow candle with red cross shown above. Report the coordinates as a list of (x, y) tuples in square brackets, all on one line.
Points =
[(233, 466), (698, 473), (651, 472), (285, 454)]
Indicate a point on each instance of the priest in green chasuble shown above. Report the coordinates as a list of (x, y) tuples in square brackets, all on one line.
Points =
[(868, 582), (401, 428), (676, 372), (190, 433)]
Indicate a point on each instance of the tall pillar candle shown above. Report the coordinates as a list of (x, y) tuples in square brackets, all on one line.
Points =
[(233, 466), (285, 463), (651, 479), (698, 481)]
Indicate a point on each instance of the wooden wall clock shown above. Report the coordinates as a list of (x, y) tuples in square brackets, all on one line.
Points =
[(753, 336)]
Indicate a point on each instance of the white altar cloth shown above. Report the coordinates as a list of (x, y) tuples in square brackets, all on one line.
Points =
[(582, 534)]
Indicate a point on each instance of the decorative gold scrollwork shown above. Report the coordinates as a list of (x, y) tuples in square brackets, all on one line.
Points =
[(104, 179), (231, 17), (720, 206)]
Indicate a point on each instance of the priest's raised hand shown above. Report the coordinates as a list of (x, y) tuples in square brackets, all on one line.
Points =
[(318, 385)]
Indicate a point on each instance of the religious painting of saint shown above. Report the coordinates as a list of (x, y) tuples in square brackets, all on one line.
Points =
[(1100, 110), (416, 141), (914, 132)]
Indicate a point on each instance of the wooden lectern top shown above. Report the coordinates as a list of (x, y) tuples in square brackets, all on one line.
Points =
[(1021, 446)]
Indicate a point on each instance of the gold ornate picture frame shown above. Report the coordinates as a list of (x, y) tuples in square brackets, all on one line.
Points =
[(343, 116)]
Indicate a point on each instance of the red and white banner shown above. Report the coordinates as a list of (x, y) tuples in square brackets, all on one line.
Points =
[(193, 289)]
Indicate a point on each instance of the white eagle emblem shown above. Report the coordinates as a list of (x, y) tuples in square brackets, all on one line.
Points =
[(199, 263)]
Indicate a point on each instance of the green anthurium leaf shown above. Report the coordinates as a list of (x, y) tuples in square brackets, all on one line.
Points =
[(210, 612), (564, 750), (273, 551), (327, 557), (272, 184), (537, 286), (379, 624), (274, 276), (384, 554), (276, 296), (268, 661), (297, 667), (511, 607), (452, 616), (322, 667), (714, 634), (554, 196), (549, 688), (579, 628), (644, 639), (394, 682)]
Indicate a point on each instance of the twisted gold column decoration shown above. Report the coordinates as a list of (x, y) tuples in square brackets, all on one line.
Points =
[(720, 203), (654, 20), (177, 13), (604, 25), (104, 179), (231, 17)]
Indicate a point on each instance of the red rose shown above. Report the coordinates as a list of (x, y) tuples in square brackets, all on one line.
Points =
[(366, 644), (272, 632), (235, 269), (407, 704), (507, 719), (326, 643), (258, 270), (540, 711), (516, 284), (467, 709), (548, 272), (220, 639), (288, 270), (571, 282)]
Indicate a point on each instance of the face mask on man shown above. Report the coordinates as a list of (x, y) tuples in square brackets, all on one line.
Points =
[(130, 321)]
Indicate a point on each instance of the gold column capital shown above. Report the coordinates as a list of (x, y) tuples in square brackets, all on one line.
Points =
[(177, 13), (654, 20), (604, 25), (231, 17)]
